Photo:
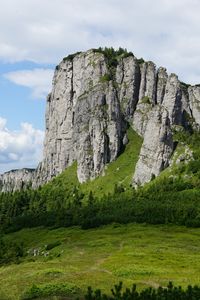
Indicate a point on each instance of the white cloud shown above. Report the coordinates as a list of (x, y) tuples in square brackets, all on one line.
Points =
[(19, 149), (165, 31), (38, 80)]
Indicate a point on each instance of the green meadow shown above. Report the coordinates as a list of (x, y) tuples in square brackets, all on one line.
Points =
[(145, 255), (71, 259)]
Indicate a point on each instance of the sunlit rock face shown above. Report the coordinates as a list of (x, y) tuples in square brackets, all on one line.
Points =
[(16, 180), (89, 109)]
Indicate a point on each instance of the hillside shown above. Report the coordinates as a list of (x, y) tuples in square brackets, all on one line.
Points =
[(172, 197), (116, 197), (145, 255)]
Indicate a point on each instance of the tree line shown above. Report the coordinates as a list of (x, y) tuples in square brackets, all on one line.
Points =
[(168, 201)]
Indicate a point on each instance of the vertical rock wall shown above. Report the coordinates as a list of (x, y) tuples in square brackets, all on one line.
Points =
[(88, 111)]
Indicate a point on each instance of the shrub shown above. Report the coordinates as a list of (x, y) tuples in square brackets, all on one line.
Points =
[(105, 78), (145, 100), (11, 252), (53, 245), (70, 57), (140, 61), (171, 292), (50, 290)]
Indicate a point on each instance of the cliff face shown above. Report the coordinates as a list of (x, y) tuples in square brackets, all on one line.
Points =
[(83, 119), (91, 104), (16, 180), (172, 108)]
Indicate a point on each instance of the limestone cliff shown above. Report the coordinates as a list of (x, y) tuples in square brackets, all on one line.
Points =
[(93, 100), (16, 180), (84, 121)]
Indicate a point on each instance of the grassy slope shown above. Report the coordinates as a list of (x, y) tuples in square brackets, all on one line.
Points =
[(146, 255), (118, 172)]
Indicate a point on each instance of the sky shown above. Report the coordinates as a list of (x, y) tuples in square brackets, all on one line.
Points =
[(35, 35)]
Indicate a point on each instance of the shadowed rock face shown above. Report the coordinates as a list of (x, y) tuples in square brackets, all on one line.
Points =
[(194, 103), (88, 111), (157, 146)]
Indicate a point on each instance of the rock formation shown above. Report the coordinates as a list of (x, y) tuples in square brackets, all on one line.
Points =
[(92, 102), (16, 180), (194, 102)]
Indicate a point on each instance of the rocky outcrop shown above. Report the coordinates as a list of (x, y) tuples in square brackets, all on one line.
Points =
[(83, 119), (194, 103), (157, 146), (161, 84), (148, 81), (16, 180), (147, 97), (92, 102), (185, 155), (171, 107), (128, 84)]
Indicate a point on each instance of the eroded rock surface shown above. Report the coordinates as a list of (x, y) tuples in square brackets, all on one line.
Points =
[(16, 180), (157, 146), (90, 107), (194, 103)]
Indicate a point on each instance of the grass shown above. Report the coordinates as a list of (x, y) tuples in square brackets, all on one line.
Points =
[(118, 172), (66, 180), (145, 255)]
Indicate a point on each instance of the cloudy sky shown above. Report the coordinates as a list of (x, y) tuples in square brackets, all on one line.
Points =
[(35, 35)]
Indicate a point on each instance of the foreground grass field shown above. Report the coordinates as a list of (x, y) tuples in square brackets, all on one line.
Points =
[(145, 255)]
